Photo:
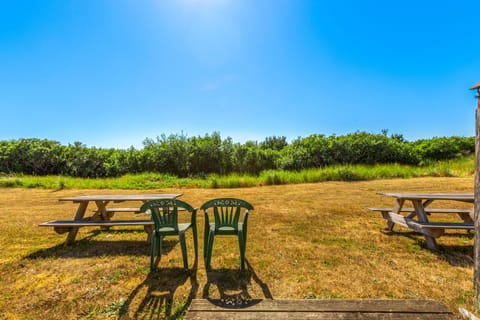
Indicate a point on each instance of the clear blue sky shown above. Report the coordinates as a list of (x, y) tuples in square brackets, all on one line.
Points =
[(112, 73)]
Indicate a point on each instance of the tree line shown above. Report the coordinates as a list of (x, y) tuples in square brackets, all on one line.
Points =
[(199, 156)]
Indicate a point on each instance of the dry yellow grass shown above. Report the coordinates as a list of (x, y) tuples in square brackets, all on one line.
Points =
[(305, 241)]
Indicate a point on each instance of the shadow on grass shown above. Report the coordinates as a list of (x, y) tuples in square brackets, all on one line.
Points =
[(455, 255), (233, 287), (90, 247), (157, 294)]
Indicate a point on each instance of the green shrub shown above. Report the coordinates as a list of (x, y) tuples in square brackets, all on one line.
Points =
[(188, 157)]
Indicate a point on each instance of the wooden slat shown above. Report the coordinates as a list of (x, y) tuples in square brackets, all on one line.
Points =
[(88, 223), (427, 210), (321, 309), (135, 210), (121, 197), (330, 305), (443, 225), (225, 315), (465, 197), (395, 218)]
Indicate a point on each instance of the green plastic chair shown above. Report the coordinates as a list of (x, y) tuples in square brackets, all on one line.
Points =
[(165, 217), (226, 213)]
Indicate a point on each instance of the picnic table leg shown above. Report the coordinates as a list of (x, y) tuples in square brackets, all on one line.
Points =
[(78, 216), (386, 216), (396, 209), (102, 212), (149, 231), (466, 217), (422, 217)]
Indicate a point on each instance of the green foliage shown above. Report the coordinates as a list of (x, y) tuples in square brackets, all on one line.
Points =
[(442, 148), (31, 156), (200, 157), (274, 143), (146, 181), (356, 148)]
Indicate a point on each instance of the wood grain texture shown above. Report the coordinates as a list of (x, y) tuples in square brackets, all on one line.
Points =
[(93, 223), (122, 197), (464, 197), (476, 206), (427, 210), (320, 309)]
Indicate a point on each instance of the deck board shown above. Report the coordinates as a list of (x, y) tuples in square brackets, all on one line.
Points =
[(320, 309)]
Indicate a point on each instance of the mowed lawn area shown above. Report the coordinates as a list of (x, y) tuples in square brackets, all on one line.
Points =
[(305, 241)]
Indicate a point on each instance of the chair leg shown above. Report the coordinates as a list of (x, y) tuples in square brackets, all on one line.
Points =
[(155, 250), (195, 241), (211, 236), (159, 247), (241, 244), (244, 239), (205, 240), (184, 250), (152, 252)]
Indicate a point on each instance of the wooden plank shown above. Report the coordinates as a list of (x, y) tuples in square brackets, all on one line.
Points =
[(432, 229), (395, 218), (422, 227), (427, 210), (463, 197), (328, 305), (88, 223), (321, 309), (121, 197), (226, 315), (72, 233), (134, 210), (443, 225)]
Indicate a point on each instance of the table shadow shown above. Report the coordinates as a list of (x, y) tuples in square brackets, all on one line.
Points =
[(232, 284), (455, 255), (90, 247), (157, 294)]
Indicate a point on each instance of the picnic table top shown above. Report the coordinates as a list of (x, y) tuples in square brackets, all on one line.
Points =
[(121, 197), (467, 197)]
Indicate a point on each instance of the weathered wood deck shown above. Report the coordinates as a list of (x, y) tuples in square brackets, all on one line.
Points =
[(320, 309)]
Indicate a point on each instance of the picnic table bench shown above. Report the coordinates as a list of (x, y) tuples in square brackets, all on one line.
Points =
[(63, 226), (417, 218), (368, 309), (102, 214)]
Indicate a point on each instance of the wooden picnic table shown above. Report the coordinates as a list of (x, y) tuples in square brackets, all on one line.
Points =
[(417, 217), (320, 309), (103, 214)]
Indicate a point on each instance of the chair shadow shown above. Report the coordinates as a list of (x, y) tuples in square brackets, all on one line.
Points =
[(232, 284), (90, 247), (455, 255), (157, 292)]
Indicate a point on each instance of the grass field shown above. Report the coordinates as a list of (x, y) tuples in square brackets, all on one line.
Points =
[(305, 241), (461, 167)]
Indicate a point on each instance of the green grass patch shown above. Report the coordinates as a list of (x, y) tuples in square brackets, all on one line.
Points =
[(454, 168)]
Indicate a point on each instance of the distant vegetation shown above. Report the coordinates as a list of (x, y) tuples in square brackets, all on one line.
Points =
[(212, 157), (141, 181)]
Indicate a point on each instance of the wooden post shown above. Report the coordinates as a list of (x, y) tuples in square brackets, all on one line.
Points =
[(476, 207)]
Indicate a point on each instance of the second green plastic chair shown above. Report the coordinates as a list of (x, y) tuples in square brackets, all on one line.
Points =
[(227, 221), (165, 217)]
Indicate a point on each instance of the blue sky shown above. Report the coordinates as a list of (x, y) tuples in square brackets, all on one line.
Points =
[(112, 73)]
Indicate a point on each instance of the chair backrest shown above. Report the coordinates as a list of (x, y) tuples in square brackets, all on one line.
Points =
[(227, 211), (164, 212)]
